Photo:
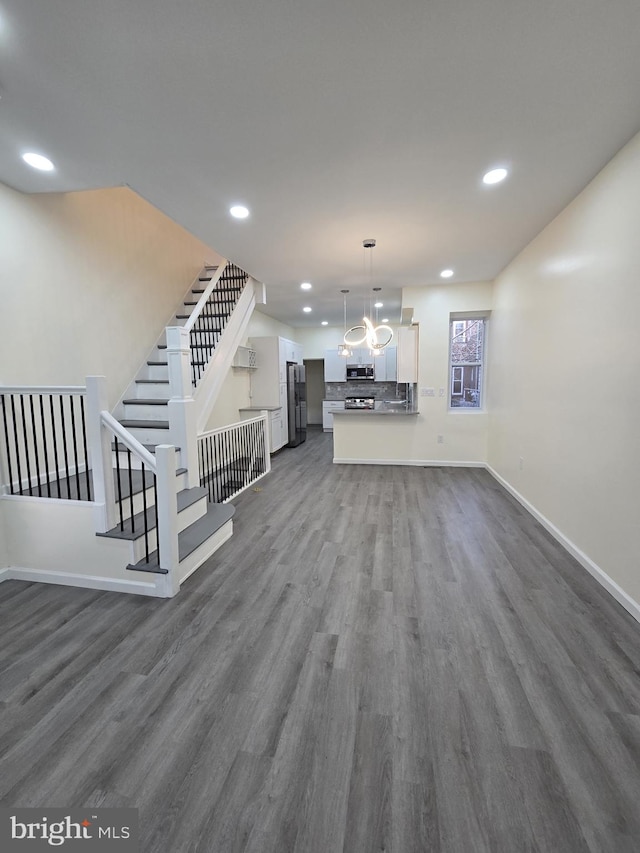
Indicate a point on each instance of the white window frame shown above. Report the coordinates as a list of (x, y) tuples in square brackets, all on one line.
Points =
[(457, 318)]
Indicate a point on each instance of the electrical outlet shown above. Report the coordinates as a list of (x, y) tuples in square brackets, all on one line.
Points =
[(430, 392), (440, 392), (423, 392), (440, 439)]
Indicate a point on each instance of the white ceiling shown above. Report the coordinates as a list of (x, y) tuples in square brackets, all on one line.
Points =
[(332, 121)]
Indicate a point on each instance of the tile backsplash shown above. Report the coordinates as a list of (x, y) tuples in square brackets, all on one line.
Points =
[(379, 390)]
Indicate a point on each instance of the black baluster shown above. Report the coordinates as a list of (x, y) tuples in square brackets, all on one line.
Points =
[(119, 484), (45, 442), (7, 444), (131, 488), (35, 444), (146, 522), (75, 443), (17, 445), (25, 438), (85, 451), (64, 445), (54, 433)]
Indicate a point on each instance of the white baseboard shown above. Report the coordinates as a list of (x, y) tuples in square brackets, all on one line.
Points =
[(602, 577), (85, 581), (416, 463)]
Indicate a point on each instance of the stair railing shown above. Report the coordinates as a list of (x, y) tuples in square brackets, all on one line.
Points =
[(189, 351), (114, 483), (44, 444), (209, 316), (232, 458)]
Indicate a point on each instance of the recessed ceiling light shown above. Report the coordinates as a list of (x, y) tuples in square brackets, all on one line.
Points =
[(324, 323), (38, 161), (495, 176), (378, 304), (446, 273), (385, 319), (239, 211), (306, 285), (306, 309)]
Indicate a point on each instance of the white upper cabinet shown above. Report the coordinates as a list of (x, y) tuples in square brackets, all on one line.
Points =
[(408, 354), (335, 366), (385, 366)]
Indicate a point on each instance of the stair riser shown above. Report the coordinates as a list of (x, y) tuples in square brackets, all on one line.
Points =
[(160, 371), (144, 412), (150, 436), (156, 390), (192, 513)]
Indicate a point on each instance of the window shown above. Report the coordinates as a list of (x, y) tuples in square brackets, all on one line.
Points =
[(467, 358)]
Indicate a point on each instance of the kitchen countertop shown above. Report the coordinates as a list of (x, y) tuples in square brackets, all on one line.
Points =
[(259, 408), (383, 409)]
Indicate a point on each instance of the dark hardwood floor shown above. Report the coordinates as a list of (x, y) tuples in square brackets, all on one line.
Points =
[(381, 659)]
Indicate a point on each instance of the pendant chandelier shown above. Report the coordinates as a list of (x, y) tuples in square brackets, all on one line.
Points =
[(376, 338)]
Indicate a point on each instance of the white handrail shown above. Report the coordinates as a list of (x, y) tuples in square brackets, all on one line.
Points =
[(205, 296), (227, 427), (43, 389), (128, 440)]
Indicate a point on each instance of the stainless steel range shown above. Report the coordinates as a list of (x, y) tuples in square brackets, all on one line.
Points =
[(359, 402)]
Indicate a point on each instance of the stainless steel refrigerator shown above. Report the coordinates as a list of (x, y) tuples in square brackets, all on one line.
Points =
[(296, 403)]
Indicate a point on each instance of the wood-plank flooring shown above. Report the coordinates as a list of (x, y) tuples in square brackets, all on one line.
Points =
[(380, 659)]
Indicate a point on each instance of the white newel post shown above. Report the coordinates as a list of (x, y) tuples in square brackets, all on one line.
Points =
[(166, 483), (100, 454), (182, 407)]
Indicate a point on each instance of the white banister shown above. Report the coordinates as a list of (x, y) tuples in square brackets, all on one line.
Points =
[(168, 555), (100, 454), (181, 406), (77, 390), (127, 439)]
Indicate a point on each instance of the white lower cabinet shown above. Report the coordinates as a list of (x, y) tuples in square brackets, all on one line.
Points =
[(328, 408), (279, 434)]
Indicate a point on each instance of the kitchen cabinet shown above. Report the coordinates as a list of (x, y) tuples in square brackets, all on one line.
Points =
[(361, 355), (408, 354), (278, 433), (335, 366), (328, 408), (385, 365)]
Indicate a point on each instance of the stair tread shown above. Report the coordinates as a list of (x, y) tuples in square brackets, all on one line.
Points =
[(152, 381), (145, 424), (153, 363), (192, 537), (184, 499), (147, 401)]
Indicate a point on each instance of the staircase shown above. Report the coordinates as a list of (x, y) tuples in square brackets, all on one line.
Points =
[(154, 513)]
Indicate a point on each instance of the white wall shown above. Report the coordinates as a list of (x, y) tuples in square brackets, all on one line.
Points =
[(89, 279), (464, 431), (565, 362), (261, 325)]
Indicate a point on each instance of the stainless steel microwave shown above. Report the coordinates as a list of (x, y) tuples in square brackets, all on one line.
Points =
[(360, 371)]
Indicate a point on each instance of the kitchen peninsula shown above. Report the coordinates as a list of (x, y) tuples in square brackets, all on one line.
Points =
[(378, 436)]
